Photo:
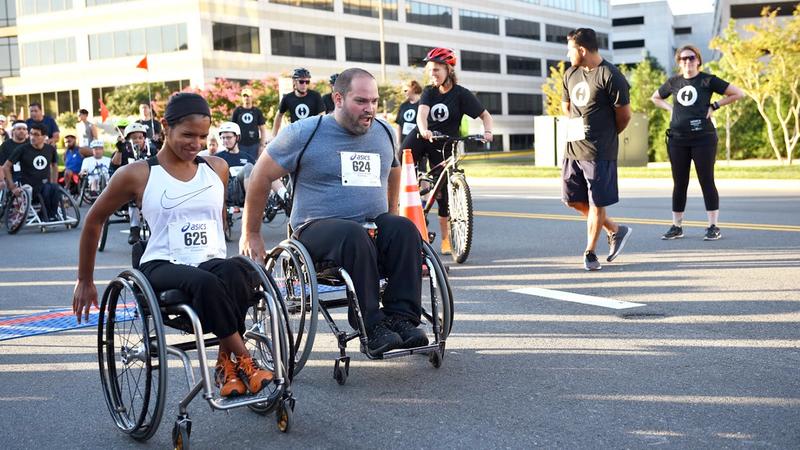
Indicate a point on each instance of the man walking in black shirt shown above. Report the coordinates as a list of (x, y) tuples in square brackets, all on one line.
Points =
[(302, 102), (251, 123)]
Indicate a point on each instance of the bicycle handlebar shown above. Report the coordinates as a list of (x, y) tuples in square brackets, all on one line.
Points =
[(437, 136)]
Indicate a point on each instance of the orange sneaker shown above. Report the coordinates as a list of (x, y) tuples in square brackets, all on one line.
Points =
[(255, 377), (447, 249), (228, 381)]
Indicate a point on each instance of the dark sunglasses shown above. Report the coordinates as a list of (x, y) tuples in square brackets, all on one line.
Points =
[(687, 58), (303, 81)]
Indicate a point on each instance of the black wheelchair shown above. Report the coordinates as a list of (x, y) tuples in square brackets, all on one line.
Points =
[(28, 210), (310, 287), (234, 203), (121, 216), (85, 193), (133, 346)]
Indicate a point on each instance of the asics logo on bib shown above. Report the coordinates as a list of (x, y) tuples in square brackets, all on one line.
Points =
[(168, 202), (580, 94), (247, 117), (687, 95), (193, 227), (40, 162), (409, 115), (301, 111), (439, 112)]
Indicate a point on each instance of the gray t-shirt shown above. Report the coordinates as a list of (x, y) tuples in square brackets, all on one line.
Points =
[(320, 189)]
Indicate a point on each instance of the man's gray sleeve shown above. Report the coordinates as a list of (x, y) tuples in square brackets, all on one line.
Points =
[(285, 148)]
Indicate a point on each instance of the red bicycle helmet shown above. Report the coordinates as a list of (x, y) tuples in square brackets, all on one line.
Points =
[(442, 55)]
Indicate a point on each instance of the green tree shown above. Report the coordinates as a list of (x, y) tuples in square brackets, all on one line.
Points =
[(645, 78), (67, 119), (223, 96), (766, 66), (125, 100), (553, 88)]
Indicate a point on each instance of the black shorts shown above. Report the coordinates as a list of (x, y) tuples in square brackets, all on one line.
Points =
[(580, 178)]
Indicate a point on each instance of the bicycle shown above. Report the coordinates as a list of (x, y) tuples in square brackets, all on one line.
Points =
[(460, 219)]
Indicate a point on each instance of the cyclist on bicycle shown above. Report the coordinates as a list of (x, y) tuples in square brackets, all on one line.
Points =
[(134, 146), (96, 168), (441, 107)]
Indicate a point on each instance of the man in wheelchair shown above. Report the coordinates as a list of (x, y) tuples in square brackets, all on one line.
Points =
[(96, 167), (39, 169), (182, 196), (345, 176), (240, 164), (133, 147)]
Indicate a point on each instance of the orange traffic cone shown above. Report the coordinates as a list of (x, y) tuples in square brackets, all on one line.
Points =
[(410, 203)]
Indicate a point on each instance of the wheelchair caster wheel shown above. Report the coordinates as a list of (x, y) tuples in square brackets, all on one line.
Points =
[(436, 359), (180, 433), (284, 417), (340, 375)]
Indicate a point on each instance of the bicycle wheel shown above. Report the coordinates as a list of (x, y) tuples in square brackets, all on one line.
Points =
[(460, 219)]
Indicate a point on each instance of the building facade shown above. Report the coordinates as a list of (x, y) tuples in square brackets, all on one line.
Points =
[(69, 52)]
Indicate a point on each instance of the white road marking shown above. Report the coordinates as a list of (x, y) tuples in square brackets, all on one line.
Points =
[(578, 298)]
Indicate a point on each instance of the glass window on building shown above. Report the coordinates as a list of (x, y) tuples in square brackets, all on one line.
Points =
[(479, 22), (553, 63), (480, 62), (568, 5), (9, 57), (105, 2), (369, 8), (428, 14), (117, 44), (523, 29), (303, 45), (325, 5), (518, 65), (593, 7), (521, 141), (416, 54), (58, 51), (30, 7), (235, 38), (602, 41), (556, 33), (624, 21), (362, 50), (525, 104), (53, 103), (635, 43), (492, 101), (8, 13)]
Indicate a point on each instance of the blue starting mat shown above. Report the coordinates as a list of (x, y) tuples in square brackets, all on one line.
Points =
[(54, 320)]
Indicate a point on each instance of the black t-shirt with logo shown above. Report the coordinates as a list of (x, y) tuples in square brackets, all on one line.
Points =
[(156, 127), (327, 101), (594, 95), (248, 119), (407, 118), (690, 106), (7, 149), (236, 159), (447, 109), (301, 107), (34, 164)]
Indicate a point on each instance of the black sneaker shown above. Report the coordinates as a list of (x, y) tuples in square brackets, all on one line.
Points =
[(712, 233), (616, 241), (674, 232), (134, 237), (411, 334), (381, 339), (590, 261)]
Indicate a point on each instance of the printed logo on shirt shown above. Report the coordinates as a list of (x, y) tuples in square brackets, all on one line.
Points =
[(687, 95), (580, 94), (439, 112), (301, 111), (39, 162), (168, 202), (247, 118), (410, 115)]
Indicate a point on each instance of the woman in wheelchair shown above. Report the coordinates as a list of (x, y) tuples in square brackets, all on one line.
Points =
[(182, 198)]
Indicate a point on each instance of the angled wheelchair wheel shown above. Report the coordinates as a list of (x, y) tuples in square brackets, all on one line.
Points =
[(292, 269), (460, 221), (132, 355), (17, 210), (67, 209), (437, 298), (101, 245)]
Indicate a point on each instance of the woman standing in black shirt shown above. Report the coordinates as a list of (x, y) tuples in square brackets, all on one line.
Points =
[(692, 136), (406, 119)]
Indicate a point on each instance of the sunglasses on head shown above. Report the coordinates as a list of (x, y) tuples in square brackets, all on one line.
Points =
[(303, 81), (688, 58)]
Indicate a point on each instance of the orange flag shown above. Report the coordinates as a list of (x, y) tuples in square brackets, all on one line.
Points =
[(103, 111), (143, 64)]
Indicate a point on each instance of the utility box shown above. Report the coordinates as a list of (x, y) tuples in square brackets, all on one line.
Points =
[(633, 146)]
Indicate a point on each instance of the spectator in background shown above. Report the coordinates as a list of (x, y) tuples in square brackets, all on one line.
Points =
[(73, 158), (212, 145), (406, 119), (3, 134), (86, 132), (252, 123), (327, 99), (11, 118), (151, 123), (17, 136), (38, 117)]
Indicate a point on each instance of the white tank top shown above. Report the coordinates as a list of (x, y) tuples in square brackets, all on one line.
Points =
[(185, 217)]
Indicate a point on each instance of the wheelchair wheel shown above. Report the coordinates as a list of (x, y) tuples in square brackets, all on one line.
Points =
[(67, 209), (437, 298), (228, 228), (103, 236), (131, 354), (460, 219), (83, 192), (289, 265), (17, 209)]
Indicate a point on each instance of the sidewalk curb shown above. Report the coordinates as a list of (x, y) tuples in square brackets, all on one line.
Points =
[(643, 183)]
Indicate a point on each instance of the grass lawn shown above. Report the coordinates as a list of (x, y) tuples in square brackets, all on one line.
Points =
[(520, 164)]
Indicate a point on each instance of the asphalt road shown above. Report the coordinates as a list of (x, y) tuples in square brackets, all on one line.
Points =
[(711, 359)]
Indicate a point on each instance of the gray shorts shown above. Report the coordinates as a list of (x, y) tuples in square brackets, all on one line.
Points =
[(579, 179)]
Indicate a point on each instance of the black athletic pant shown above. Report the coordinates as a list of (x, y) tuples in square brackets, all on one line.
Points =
[(50, 196), (221, 290), (433, 151), (396, 254), (703, 151)]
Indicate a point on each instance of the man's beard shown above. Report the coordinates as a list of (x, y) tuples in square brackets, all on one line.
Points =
[(355, 123)]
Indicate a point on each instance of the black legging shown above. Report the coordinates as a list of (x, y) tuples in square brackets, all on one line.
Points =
[(421, 147), (50, 195), (703, 151)]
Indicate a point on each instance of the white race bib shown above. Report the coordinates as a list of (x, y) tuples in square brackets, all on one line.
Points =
[(575, 129), (408, 127), (361, 169), (193, 242)]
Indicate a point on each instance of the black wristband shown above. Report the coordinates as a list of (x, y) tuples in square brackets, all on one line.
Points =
[(715, 105)]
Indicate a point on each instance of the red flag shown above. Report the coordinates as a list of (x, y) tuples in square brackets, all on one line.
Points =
[(103, 111), (143, 64)]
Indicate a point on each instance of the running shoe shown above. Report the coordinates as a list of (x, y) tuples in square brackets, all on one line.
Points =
[(228, 379), (590, 261), (381, 339), (447, 249), (255, 377), (411, 334), (616, 241), (712, 233), (674, 232)]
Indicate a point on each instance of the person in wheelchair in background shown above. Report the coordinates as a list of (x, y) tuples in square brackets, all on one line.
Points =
[(180, 192), (38, 169), (346, 176), (133, 146), (240, 164), (95, 168)]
